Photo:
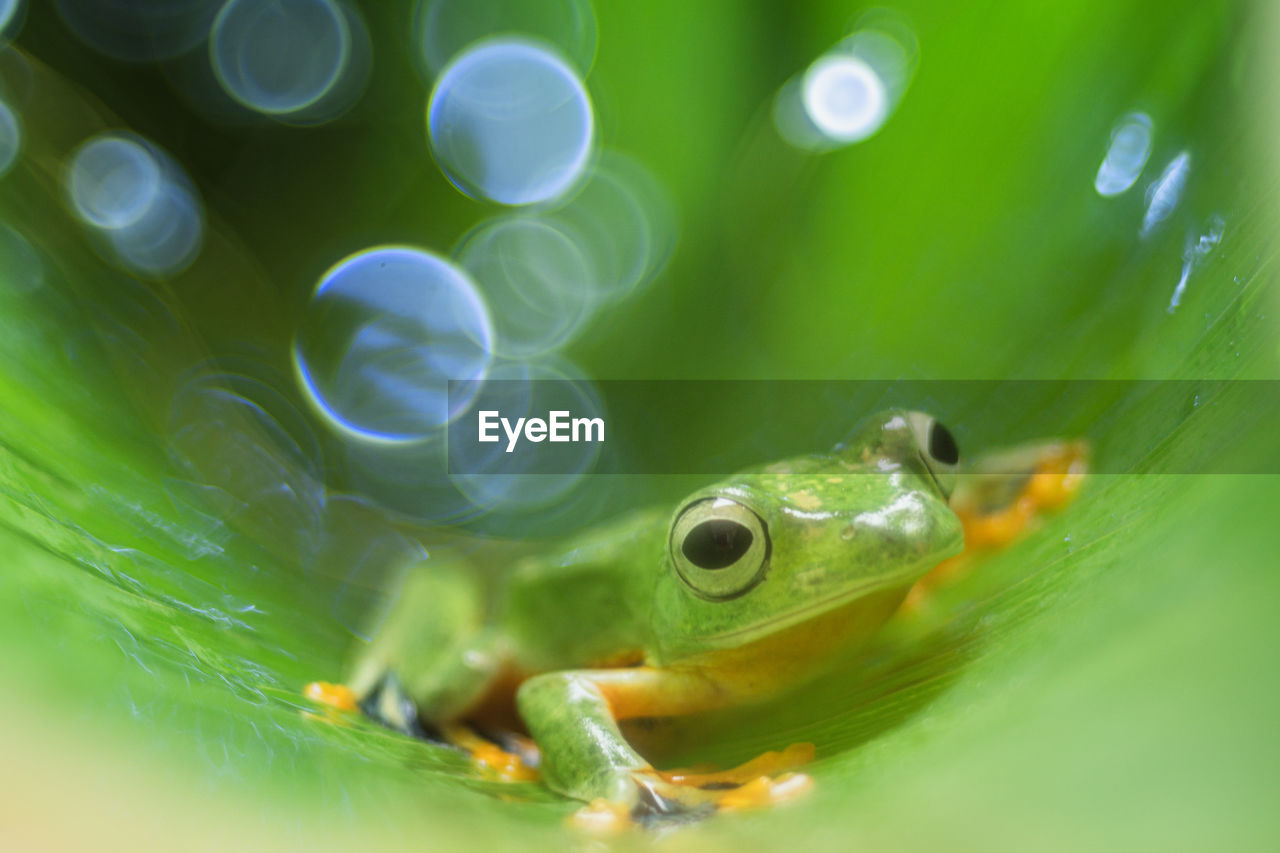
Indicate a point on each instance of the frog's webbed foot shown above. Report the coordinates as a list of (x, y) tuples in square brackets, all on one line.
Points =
[(389, 705), (386, 704), (669, 798), (996, 506), (502, 755), (1005, 495), (338, 697)]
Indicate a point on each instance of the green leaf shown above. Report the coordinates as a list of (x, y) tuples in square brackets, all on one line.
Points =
[(1107, 682)]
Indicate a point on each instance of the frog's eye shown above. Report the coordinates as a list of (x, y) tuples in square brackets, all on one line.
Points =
[(938, 449), (720, 548)]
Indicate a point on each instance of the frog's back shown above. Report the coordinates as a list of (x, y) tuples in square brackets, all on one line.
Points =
[(586, 603)]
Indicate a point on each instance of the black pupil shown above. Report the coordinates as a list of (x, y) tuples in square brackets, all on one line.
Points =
[(716, 544), (942, 445)]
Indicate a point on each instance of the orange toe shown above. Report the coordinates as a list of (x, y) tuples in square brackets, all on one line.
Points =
[(770, 763), (337, 696), (764, 791), (601, 817)]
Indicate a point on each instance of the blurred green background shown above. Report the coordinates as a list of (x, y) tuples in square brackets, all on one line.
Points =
[(1109, 682)]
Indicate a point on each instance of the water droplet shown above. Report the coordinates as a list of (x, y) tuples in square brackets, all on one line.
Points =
[(167, 239), (625, 225), (1166, 192), (10, 138), (385, 332), (1126, 156), (1195, 253), (12, 14), (299, 60), (536, 280), (511, 122)]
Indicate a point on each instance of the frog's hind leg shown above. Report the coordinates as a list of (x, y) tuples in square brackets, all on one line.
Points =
[(1001, 496), (433, 664), (431, 658), (496, 750)]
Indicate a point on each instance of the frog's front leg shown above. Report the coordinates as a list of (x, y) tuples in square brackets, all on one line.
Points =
[(574, 716)]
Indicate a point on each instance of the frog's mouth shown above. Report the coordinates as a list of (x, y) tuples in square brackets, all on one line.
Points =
[(809, 612)]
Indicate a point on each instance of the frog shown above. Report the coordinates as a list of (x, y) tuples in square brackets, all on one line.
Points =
[(745, 589)]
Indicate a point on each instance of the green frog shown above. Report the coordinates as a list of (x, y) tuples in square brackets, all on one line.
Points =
[(748, 588)]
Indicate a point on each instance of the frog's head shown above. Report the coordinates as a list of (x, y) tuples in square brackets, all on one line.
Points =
[(778, 546)]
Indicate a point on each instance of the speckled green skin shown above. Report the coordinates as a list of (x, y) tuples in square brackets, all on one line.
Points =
[(867, 518)]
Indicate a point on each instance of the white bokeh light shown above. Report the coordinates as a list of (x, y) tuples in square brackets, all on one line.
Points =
[(139, 204), (845, 98), (537, 281), (114, 181), (849, 93)]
